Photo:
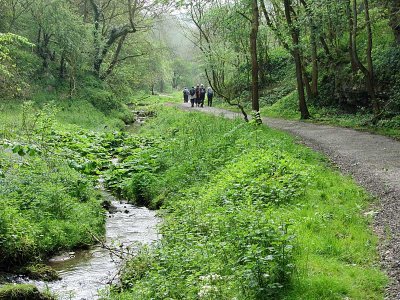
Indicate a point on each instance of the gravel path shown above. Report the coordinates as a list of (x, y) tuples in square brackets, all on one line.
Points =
[(372, 160)]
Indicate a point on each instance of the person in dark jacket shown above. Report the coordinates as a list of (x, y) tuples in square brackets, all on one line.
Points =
[(210, 95), (197, 95), (185, 95), (202, 95)]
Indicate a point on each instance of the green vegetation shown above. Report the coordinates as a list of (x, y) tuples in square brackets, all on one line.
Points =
[(22, 292), (49, 167), (248, 214), (45, 206), (309, 63)]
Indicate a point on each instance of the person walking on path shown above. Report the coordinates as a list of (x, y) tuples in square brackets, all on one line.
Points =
[(202, 95), (185, 95), (192, 95), (197, 95), (210, 95)]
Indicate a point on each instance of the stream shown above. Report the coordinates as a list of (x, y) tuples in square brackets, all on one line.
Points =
[(84, 272)]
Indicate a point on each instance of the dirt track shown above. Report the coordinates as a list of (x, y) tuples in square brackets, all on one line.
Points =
[(372, 160)]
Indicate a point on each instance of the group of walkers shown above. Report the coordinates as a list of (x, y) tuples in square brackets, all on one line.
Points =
[(196, 95)]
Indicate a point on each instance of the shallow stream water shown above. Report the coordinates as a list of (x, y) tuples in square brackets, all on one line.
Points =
[(84, 272)]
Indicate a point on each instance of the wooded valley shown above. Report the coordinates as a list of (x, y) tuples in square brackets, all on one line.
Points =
[(92, 117)]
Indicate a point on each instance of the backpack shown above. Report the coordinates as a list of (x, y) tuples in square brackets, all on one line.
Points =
[(192, 92), (210, 93), (202, 91)]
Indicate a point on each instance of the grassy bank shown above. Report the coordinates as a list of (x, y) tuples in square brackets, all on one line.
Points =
[(46, 205), (248, 214), (48, 166), (52, 150)]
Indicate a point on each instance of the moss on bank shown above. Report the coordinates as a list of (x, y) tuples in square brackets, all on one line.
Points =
[(23, 292)]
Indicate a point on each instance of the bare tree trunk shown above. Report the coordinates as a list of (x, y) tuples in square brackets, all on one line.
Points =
[(43, 49), (297, 59), (254, 62), (103, 41), (352, 51), (306, 81), (175, 78), (97, 39), (162, 85), (115, 58), (370, 74), (367, 71), (62, 66), (314, 60), (313, 93)]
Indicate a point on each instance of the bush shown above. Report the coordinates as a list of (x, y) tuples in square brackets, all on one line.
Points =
[(138, 188), (102, 99)]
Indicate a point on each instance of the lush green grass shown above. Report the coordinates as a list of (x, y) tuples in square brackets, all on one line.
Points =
[(286, 107), (45, 206), (68, 112), (249, 214)]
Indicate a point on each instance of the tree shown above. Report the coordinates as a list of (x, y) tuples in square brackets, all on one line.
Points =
[(223, 40), (295, 34), (368, 70), (313, 46), (113, 22), (254, 62), (10, 79)]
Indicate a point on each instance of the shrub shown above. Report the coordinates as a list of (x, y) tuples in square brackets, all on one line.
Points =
[(138, 188), (102, 99)]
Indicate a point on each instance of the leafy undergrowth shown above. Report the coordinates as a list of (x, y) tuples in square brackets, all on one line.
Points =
[(48, 173), (79, 111), (248, 214), (47, 200)]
